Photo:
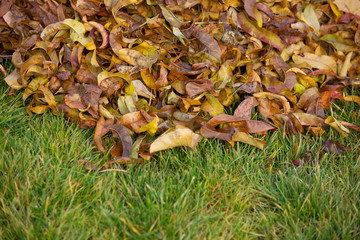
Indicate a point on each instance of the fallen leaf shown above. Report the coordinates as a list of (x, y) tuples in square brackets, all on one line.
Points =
[(136, 58), (209, 42), (244, 109), (12, 80), (175, 137), (333, 147), (331, 121), (260, 33), (350, 6), (100, 130), (316, 61), (248, 139), (251, 10), (311, 18), (122, 133), (285, 103)]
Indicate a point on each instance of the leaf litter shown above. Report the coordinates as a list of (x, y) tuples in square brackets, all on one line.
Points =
[(163, 74)]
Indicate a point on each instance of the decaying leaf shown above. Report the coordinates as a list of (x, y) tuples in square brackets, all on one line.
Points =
[(333, 147)]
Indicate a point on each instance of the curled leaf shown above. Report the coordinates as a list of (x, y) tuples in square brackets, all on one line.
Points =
[(100, 130), (175, 137), (248, 139), (12, 80), (285, 103), (331, 121), (122, 133)]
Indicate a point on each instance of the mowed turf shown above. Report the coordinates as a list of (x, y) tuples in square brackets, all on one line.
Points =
[(212, 192)]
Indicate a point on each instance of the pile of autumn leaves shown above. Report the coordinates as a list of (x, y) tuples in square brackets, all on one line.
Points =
[(161, 74)]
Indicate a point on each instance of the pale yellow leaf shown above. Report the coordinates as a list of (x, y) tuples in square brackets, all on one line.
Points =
[(175, 137)]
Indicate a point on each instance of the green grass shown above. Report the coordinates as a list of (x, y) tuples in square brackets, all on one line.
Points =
[(213, 192)]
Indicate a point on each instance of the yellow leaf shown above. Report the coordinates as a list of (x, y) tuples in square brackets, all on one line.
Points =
[(147, 50), (212, 106), (49, 96), (130, 89), (151, 127), (175, 137), (39, 109), (241, 20), (136, 58), (248, 139), (352, 98), (251, 10), (148, 78), (310, 17), (306, 81), (316, 61), (12, 80), (307, 119), (105, 75), (106, 113), (331, 121), (339, 43), (350, 6), (79, 29), (171, 17), (346, 65), (142, 90)]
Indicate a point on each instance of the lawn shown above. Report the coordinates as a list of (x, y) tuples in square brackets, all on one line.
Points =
[(212, 192)]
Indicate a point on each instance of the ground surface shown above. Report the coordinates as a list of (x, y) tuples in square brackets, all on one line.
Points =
[(213, 192)]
